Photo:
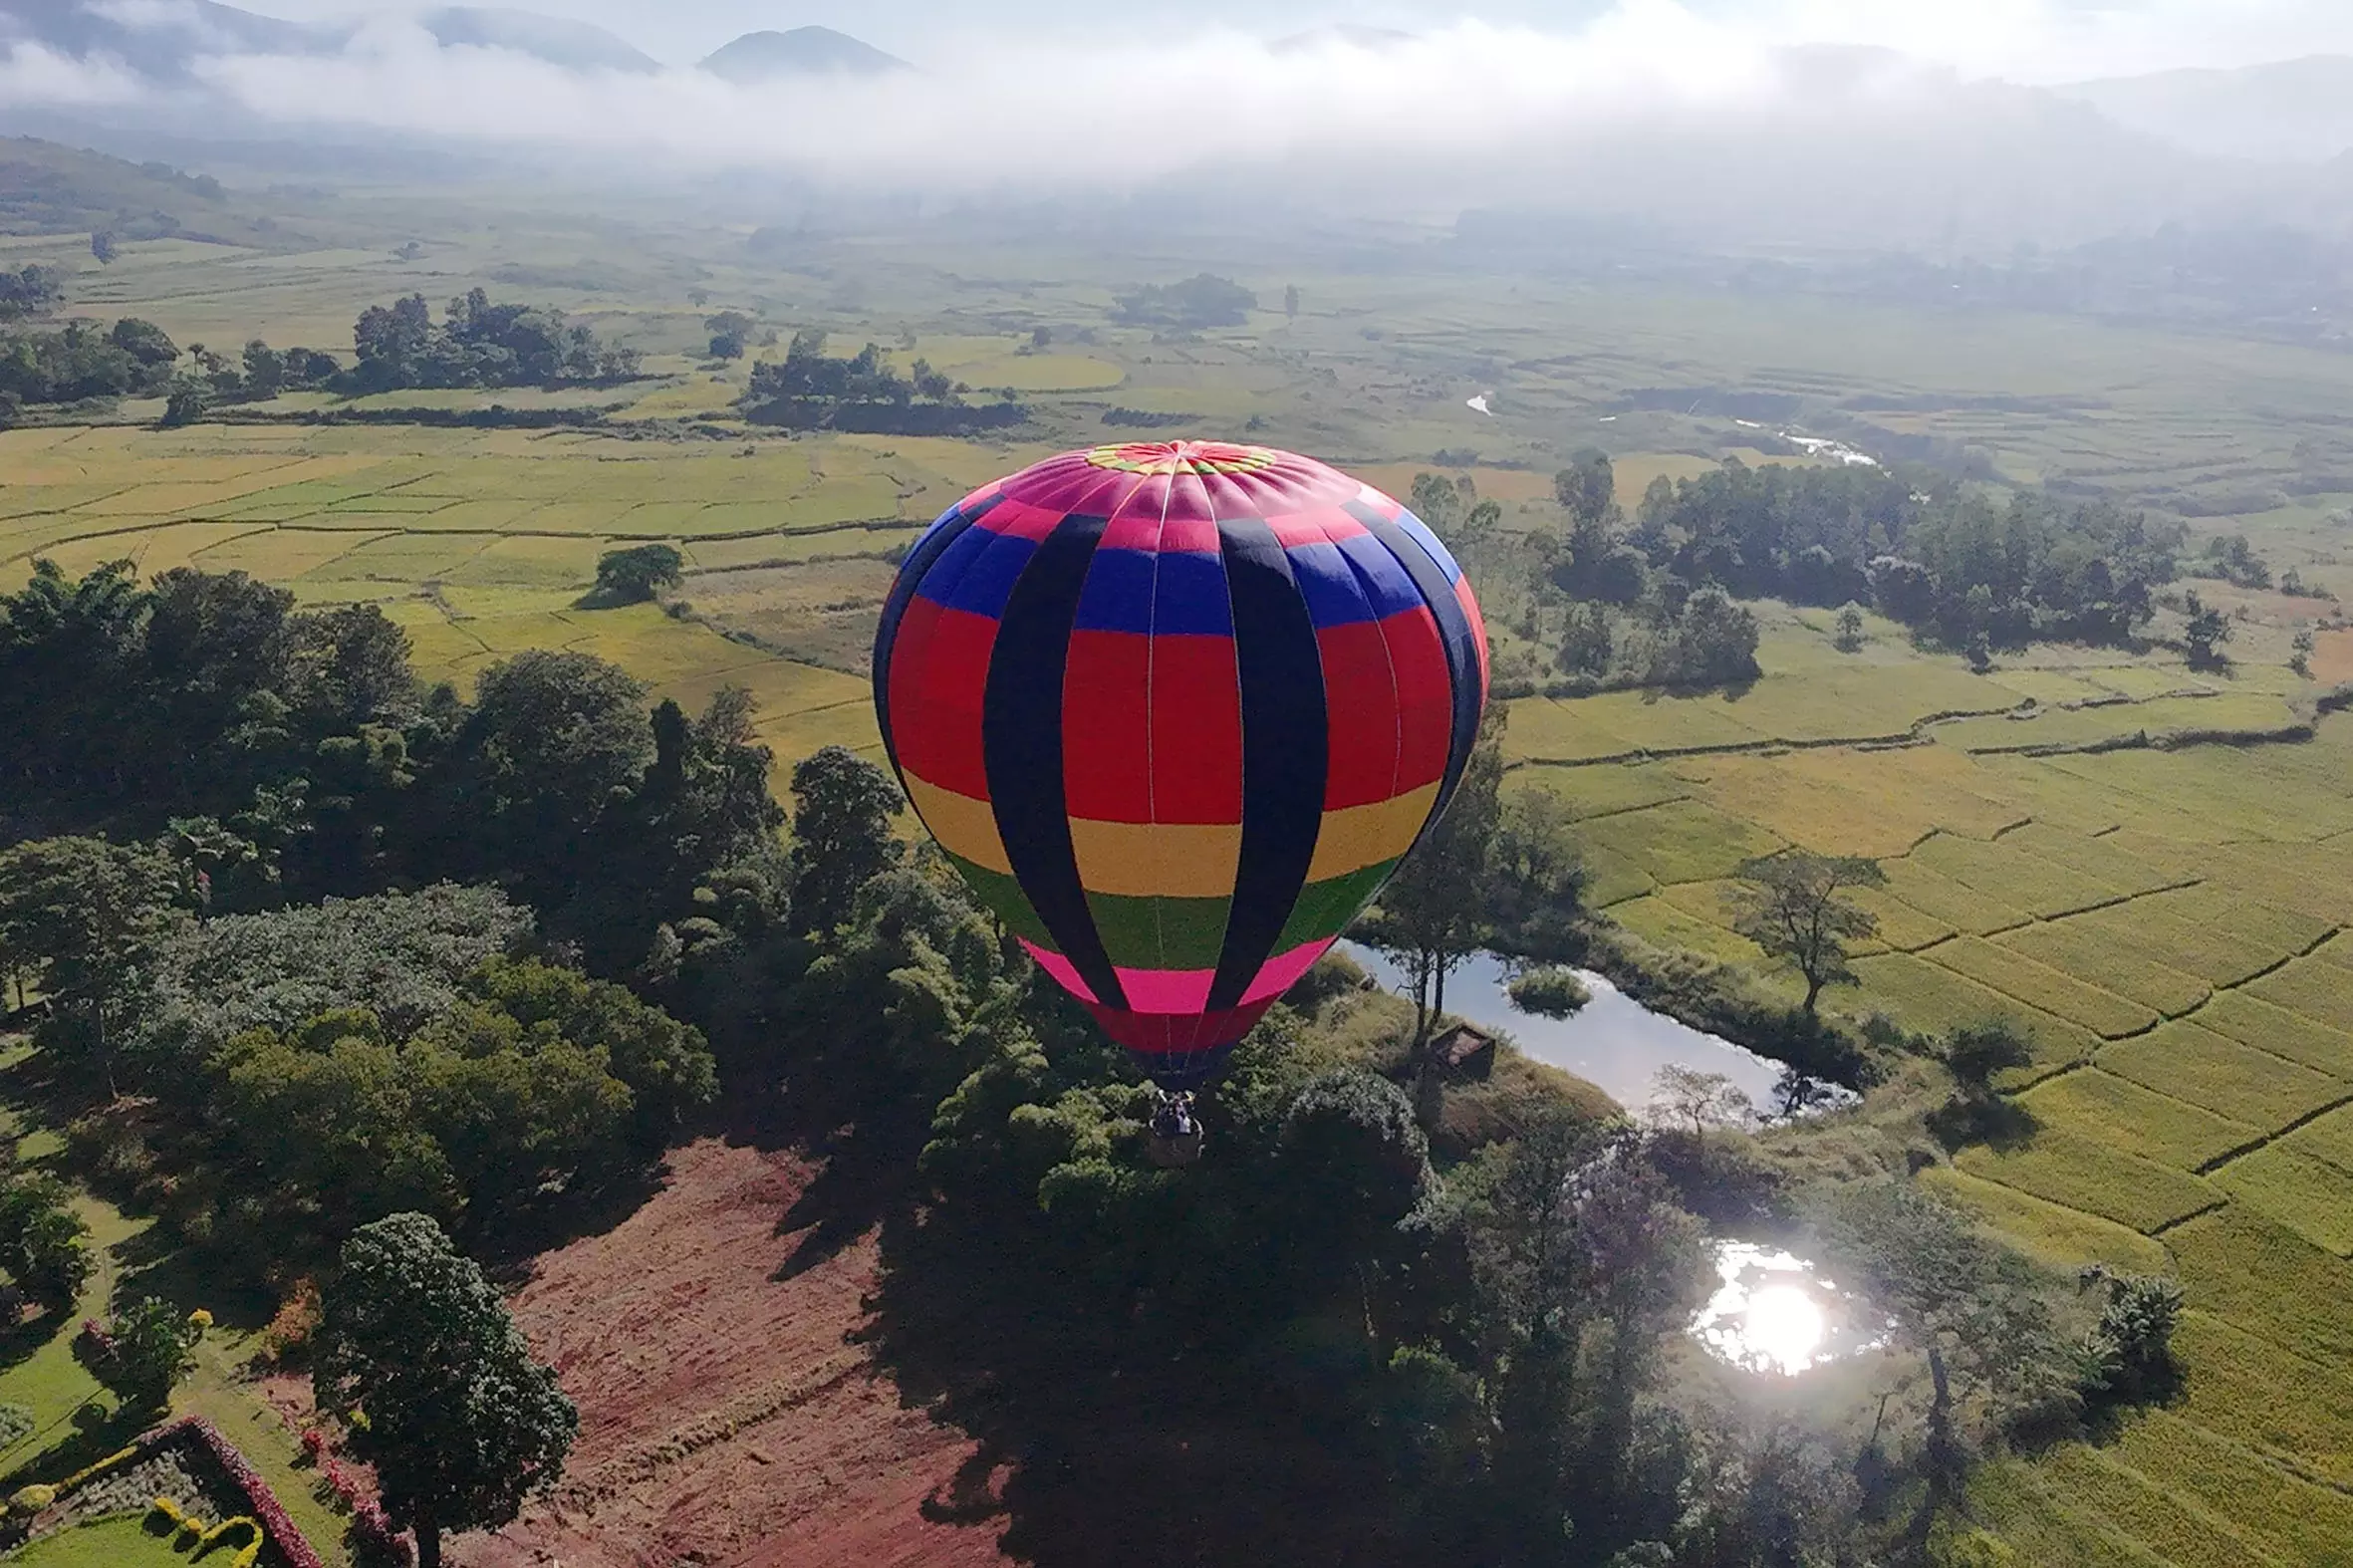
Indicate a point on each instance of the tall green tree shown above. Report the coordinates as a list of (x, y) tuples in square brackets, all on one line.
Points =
[(1438, 909), (88, 917), (841, 811), (460, 1423), (1795, 905)]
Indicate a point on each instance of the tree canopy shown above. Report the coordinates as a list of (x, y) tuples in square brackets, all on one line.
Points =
[(459, 1422)]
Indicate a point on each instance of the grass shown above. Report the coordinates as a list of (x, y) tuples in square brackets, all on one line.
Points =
[(110, 1544)]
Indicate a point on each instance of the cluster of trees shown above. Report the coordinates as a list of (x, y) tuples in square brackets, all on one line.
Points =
[(29, 291), (138, 359), (476, 344), (863, 391), (1200, 301), (1954, 565), (281, 755)]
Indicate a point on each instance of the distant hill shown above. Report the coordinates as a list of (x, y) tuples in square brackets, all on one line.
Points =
[(805, 51), (166, 39), (2294, 110), (171, 38), (49, 188), (576, 45)]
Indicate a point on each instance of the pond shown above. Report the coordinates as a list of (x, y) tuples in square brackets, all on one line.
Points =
[(1614, 1042)]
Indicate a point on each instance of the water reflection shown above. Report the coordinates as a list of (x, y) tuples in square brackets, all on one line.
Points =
[(1613, 1043), (1772, 1312)]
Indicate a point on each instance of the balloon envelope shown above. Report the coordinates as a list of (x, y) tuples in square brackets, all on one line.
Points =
[(1175, 710)]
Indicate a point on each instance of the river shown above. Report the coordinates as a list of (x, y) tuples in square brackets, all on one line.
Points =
[(1614, 1041)]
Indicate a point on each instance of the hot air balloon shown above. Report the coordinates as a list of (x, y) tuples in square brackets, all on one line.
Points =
[(1175, 710)]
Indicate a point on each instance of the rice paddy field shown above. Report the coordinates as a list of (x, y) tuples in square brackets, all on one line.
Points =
[(2169, 919)]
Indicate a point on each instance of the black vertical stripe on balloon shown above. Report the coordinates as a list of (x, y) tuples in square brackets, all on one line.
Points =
[(1455, 633), (911, 573), (1285, 750), (1022, 746)]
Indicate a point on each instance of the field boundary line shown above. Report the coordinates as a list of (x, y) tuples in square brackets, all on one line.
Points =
[(2171, 1224), (2268, 1139)]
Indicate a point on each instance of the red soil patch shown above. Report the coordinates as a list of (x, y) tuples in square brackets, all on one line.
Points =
[(2332, 657), (724, 1416)]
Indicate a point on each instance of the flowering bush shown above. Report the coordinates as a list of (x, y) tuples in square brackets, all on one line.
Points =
[(372, 1541), (31, 1499), (314, 1445), (290, 1331), (147, 1350)]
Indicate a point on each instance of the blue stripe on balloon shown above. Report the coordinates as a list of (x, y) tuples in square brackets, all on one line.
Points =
[(1421, 534), (1139, 591), (1329, 586), (977, 572)]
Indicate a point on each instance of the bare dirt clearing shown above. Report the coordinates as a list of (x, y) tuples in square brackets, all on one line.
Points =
[(725, 1416)]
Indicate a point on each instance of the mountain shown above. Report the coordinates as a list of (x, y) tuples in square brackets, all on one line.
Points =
[(156, 42), (766, 57), (2297, 111), (162, 41), (576, 45)]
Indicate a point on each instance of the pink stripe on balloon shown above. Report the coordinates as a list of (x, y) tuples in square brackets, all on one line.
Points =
[(1065, 973), (1167, 990), (1280, 972)]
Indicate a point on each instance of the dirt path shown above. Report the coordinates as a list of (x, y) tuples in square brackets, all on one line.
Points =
[(724, 1416)]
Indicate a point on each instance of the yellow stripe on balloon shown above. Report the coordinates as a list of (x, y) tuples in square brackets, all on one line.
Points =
[(1157, 860), (963, 825), (1359, 835)]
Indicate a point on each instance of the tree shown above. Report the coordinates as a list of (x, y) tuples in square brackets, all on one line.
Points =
[(1850, 628), (2204, 633), (1794, 908), (699, 298), (1436, 910), (841, 825), (144, 1352), (190, 399), (1586, 491), (265, 369), (459, 1422), (2299, 656), (43, 1243), (1290, 302), (1974, 1052), (90, 915), (102, 245), (2132, 1348), (1040, 338), (557, 739), (1586, 641), (634, 574), (732, 332), (1704, 1098)]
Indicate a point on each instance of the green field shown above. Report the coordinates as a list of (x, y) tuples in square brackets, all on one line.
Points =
[(2166, 917)]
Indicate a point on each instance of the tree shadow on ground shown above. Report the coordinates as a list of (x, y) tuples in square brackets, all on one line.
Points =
[(1116, 1441), (1995, 1120)]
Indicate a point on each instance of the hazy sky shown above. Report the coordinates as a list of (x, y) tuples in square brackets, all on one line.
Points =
[(2022, 40)]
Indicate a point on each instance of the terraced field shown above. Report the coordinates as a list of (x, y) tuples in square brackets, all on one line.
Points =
[(2173, 926)]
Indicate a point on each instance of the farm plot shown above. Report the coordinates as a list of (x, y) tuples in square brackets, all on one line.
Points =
[(1927, 997), (2249, 1270), (2062, 1237), (2206, 932), (2251, 1020), (2159, 1515), (2015, 877), (2137, 1119), (2079, 1171), (2191, 1062), (1679, 841), (2258, 1393), (2111, 963), (2319, 992), (1949, 903), (2309, 1196), (2041, 987)]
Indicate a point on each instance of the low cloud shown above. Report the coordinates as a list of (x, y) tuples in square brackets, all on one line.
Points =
[(1770, 119)]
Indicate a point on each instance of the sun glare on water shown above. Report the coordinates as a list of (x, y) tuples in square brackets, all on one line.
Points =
[(1772, 1313)]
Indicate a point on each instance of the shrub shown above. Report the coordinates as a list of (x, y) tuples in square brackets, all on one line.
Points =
[(16, 1424), (28, 1500), (1550, 993), (147, 1351)]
